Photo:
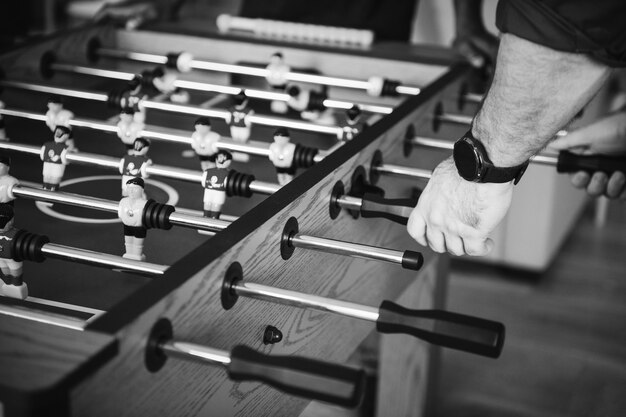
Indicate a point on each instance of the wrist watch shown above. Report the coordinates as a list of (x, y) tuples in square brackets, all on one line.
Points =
[(473, 163)]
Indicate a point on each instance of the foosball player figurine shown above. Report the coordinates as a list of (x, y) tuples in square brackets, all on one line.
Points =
[(164, 81), (12, 284), (135, 163), (239, 123), (130, 212), (6, 181), (54, 157), (282, 155), (214, 183), (277, 79), (56, 114), (353, 125), (129, 129), (179, 96), (204, 142), (133, 97)]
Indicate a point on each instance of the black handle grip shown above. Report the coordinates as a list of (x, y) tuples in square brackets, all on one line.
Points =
[(571, 162), (412, 260), (299, 376), (443, 328), (394, 209)]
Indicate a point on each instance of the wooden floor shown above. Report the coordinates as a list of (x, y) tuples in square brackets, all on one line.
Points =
[(565, 352)]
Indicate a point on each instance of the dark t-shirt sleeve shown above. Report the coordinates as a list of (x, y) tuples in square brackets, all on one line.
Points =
[(596, 28), (389, 20)]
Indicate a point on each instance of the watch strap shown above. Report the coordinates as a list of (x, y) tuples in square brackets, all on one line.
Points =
[(501, 175)]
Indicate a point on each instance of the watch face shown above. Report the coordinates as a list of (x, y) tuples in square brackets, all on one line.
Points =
[(467, 160)]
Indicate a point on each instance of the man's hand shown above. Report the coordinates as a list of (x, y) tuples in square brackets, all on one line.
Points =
[(606, 136), (456, 215)]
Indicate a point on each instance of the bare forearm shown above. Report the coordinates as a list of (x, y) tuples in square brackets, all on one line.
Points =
[(536, 91)]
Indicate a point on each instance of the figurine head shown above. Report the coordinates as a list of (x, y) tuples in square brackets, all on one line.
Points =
[(141, 146), (276, 58), (55, 104), (135, 187), (293, 91), (6, 217), (62, 133), (5, 164), (353, 113), (241, 100), (134, 85), (281, 136), (127, 114), (223, 159), (203, 125)]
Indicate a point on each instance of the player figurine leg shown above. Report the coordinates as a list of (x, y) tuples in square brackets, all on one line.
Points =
[(204, 141), (54, 157), (239, 123), (12, 283), (135, 163), (277, 79), (281, 154), (130, 211), (214, 183)]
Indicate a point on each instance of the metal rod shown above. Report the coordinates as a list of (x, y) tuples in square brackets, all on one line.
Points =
[(542, 158), (170, 135), (183, 218), (98, 72), (53, 250), (460, 119), (432, 143), (133, 56), (346, 248), (66, 306), (350, 203), (403, 171), (473, 97), (182, 174), (293, 298), (46, 317), (183, 109), (87, 95), (187, 351), (253, 71), (266, 188)]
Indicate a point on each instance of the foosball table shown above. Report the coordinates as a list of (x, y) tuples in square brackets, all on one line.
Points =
[(250, 283)]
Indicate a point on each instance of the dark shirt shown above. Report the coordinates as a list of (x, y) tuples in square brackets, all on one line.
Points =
[(389, 20), (596, 28), (133, 163), (6, 243), (220, 175), (52, 152)]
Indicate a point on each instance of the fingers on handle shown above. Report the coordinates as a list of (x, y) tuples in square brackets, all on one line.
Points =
[(580, 179), (585, 136), (598, 183), (416, 227), (616, 185), (435, 240), (477, 246)]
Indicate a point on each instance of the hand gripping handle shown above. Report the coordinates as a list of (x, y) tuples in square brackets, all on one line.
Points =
[(397, 210), (571, 162), (443, 328), (299, 376)]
